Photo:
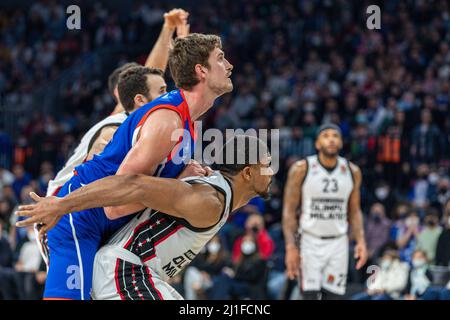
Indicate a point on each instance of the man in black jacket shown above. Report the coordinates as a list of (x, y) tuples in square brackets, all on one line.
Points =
[(442, 251)]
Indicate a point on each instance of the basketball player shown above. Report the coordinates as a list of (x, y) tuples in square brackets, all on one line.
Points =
[(163, 239), (94, 141), (147, 142), (326, 189)]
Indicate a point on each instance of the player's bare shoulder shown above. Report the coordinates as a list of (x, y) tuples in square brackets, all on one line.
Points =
[(298, 170), (203, 205)]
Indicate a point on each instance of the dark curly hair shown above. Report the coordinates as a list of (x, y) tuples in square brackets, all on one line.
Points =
[(133, 81)]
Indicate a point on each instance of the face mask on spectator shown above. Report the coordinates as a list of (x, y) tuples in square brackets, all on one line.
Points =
[(248, 247), (430, 223), (214, 247), (385, 264), (376, 217), (418, 263), (255, 229), (433, 178), (382, 193)]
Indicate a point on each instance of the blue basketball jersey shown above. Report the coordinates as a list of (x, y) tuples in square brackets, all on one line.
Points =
[(107, 163)]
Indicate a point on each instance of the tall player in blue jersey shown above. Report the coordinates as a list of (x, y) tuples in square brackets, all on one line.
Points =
[(145, 143)]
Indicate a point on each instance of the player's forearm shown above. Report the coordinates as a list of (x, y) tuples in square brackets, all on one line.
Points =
[(109, 191), (290, 227), (159, 55), (356, 223)]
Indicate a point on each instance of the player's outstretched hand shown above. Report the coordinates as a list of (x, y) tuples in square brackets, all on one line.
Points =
[(175, 17), (183, 29), (292, 261), (46, 212), (360, 254)]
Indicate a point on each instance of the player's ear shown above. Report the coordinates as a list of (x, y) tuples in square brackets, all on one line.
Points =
[(247, 173), (140, 100), (200, 71), (116, 93)]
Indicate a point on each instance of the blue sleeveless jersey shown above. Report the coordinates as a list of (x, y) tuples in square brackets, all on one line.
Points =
[(108, 162)]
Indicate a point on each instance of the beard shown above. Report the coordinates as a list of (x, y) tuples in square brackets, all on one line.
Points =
[(266, 194), (328, 154)]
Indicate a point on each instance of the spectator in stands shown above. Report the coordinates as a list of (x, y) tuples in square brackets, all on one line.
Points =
[(248, 278), (20, 282), (442, 257), (200, 281), (426, 140), (377, 231), (419, 278), (255, 226), (392, 146), (420, 188), (427, 238), (384, 194), (22, 179), (6, 254), (389, 281), (405, 232)]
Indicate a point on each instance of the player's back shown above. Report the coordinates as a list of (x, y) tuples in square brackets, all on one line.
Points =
[(107, 163)]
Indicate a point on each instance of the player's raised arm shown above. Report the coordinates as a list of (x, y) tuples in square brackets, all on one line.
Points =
[(173, 20), (356, 218), (200, 204), (292, 196)]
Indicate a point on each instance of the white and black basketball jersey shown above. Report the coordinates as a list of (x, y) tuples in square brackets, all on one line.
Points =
[(167, 244), (325, 195), (81, 152)]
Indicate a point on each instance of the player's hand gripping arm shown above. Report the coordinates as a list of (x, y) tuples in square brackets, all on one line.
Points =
[(292, 196), (356, 218), (159, 56), (200, 204)]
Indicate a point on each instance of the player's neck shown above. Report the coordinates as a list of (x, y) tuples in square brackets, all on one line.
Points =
[(327, 162), (199, 101), (241, 194)]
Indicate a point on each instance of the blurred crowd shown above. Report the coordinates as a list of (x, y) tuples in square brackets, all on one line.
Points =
[(297, 64)]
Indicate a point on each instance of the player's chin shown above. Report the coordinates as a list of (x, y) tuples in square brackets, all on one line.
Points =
[(229, 86)]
